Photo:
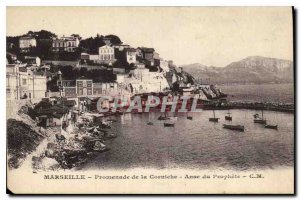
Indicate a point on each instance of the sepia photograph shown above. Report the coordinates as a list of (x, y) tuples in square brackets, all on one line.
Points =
[(150, 100)]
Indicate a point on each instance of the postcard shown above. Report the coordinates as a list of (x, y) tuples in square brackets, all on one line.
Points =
[(150, 100)]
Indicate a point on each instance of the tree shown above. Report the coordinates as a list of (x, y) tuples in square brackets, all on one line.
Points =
[(43, 34), (115, 40)]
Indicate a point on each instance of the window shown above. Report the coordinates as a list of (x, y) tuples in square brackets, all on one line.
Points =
[(79, 83), (24, 81), (80, 92), (89, 83)]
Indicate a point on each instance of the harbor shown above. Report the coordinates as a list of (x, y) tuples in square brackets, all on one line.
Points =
[(198, 144)]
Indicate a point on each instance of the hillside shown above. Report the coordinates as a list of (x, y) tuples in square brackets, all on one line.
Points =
[(254, 69)]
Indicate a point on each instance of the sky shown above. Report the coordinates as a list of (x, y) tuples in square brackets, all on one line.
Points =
[(212, 36)]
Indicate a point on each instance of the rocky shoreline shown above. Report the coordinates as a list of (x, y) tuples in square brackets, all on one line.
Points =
[(56, 148)]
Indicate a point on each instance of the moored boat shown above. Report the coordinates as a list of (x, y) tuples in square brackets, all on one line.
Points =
[(259, 120), (234, 127), (213, 119), (162, 118), (270, 126), (189, 117), (169, 124), (228, 117)]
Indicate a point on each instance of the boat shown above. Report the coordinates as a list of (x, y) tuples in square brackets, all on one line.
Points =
[(228, 117), (162, 117), (213, 119), (189, 117), (258, 119), (172, 118), (234, 127), (169, 124), (270, 126)]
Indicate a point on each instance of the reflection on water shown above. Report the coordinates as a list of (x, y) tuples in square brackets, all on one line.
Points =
[(198, 143)]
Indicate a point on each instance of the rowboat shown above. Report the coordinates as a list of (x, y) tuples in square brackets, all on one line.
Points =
[(271, 126), (234, 127), (228, 117), (213, 119), (259, 120), (169, 124)]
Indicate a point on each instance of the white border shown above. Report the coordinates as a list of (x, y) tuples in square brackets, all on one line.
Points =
[(5, 3)]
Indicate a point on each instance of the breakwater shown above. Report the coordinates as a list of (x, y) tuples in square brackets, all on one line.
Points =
[(280, 107)]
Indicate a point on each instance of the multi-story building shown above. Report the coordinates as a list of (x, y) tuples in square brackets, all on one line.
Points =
[(121, 47), (146, 55), (130, 55), (66, 44), (106, 54), (22, 83), (84, 87), (26, 43), (33, 60)]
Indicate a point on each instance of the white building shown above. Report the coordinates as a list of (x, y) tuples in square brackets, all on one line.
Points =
[(25, 43), (121, 47), (33, 60), (164, 65), (24, 83), (67, 44), (106, 54), (131, 55)]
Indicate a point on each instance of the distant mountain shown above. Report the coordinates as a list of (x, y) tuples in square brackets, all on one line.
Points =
[(254, 69)]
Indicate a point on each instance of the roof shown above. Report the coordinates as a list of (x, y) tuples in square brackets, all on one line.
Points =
[(31, 57), (83, 78), (42, 73), (26, 38), (130, 50), (63, 39), (69, 102), (55, 111), (146, 49)]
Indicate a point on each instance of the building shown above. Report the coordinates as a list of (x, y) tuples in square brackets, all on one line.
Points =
[(22, 83), (146, 53), (11, 58), (33, 60), (65, 44), (26, 43), (106, 54), (130, 55), (121, 47), (164, 65), (84, 87)]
